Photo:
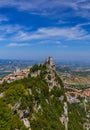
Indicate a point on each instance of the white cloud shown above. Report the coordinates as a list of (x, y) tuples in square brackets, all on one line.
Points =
[(63, 22), (18, 44), (9, 28), (58, 42), (83, 24), (8, 31), (73, 33), (50, 7), (3, 18), (17, 33)]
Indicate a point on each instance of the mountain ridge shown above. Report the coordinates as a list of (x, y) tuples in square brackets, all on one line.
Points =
[(38, 102)]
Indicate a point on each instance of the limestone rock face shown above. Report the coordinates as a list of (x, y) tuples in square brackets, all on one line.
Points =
[(64, 118)]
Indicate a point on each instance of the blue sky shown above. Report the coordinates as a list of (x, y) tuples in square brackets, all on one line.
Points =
[(31, 29)]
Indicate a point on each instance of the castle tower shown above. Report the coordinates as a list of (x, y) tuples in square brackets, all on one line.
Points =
[(49, 62)]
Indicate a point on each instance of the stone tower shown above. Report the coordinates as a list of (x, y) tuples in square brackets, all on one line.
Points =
[(49, 63)]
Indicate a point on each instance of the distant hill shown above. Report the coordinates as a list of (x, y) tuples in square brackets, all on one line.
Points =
[(78, 77)]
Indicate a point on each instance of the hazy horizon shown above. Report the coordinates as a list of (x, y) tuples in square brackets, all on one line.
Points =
[(57, 60)]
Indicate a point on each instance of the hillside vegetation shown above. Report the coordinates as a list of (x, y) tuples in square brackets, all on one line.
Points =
[(38, 103)]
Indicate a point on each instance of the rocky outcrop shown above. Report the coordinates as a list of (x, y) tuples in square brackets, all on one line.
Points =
[(64, 118)]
